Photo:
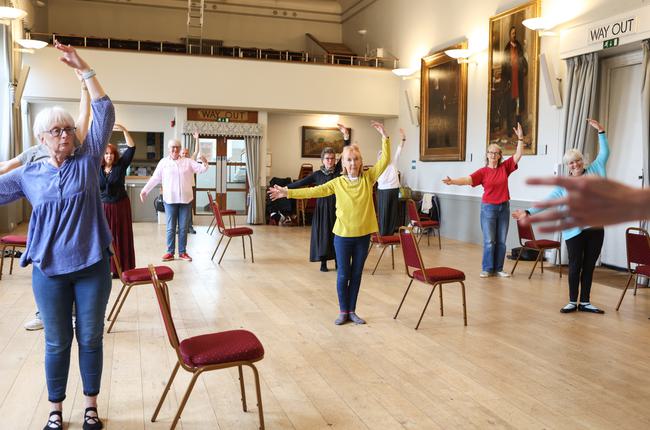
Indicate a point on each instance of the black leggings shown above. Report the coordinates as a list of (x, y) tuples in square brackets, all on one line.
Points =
[(584, 250)]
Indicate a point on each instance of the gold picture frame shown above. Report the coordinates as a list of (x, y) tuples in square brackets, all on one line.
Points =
[(513, 84), (443, 102)]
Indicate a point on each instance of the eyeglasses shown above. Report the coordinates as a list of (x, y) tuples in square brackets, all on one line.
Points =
[(56, 132), (493, 153), (330, 158)]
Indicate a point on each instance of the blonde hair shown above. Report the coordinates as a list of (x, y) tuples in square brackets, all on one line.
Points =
[(346, 153), (494, 146), (572, 155)]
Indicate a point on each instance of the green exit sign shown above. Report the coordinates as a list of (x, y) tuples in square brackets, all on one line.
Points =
[(223, 119), (611, 43)]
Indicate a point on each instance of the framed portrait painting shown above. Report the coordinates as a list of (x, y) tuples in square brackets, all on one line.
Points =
[(443, 101), (513, 82), (314, 139)]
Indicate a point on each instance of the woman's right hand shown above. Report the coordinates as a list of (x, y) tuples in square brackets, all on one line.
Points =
[(119, 127), (70, 57), (519, 214), (447, 181), (143, 195), (595, 124), (379, 127), (277, 192)]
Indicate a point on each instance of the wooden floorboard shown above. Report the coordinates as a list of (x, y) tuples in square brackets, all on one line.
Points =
[(519, 364)]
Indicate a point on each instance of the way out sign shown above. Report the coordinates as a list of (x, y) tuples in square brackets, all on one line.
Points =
[(607, 33)]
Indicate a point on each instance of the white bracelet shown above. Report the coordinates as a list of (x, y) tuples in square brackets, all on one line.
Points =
[(87, 75)]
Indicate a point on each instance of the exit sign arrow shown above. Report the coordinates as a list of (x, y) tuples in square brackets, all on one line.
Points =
[(610, 43)]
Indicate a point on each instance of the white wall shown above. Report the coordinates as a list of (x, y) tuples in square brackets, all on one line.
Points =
[(181, 80), (241, 27), (285, 135), (426, 26)]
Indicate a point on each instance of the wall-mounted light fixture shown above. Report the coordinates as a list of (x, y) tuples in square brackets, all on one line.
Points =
[(29, 43), (406, 72), (461, 55), (8, 12), (541, 25)]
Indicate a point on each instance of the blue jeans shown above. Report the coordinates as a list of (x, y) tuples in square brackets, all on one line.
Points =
[(177, 213), (88, 289), (495, 220), (351, 253)]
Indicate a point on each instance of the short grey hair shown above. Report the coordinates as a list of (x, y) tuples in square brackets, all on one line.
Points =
[(327, 150), (572, 155), (174, 142), (50, 116)]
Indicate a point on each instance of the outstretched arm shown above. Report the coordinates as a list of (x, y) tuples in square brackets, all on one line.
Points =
[(197, 147), (465, 180), (376, 170)]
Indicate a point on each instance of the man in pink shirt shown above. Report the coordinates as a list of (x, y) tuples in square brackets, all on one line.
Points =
[(176, 175)]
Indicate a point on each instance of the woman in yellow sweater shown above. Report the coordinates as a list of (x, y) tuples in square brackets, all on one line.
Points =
[(355, 219)]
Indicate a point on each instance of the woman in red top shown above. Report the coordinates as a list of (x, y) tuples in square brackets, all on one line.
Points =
[(495, 204)]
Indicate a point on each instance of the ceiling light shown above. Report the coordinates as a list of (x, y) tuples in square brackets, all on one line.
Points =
[(404, 71), (12, 13), (458, 53)]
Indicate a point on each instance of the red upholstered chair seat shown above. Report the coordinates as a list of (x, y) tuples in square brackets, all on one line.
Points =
[(14, 239), (228, 212), (437, 274), (142, 275), (427, 224), (542, 243), (224, 347), (642, 269), (385, 240), (238, 231)]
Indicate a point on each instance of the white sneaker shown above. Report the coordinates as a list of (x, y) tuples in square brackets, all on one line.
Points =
[(35, 324), (503, 274), (484, 274)]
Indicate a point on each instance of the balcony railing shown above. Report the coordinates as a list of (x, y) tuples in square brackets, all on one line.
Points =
[(213, 48)]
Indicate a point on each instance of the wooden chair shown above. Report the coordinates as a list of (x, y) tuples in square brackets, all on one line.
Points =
[(131, 278), (203, 353), (305, 206), (384, 242), (12, 241), (434, 276), (637, 242), (230, 213), (527, 241), (416, 221), (230, 233)]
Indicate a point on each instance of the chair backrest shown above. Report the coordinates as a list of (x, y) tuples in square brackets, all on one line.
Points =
[(410, 250), (210, 199), (306, 169), (217, 215), (412, 210), (637, 242), (165, 308), (525, 232), (116, 261)]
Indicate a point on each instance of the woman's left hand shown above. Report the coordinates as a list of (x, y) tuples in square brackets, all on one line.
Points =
[(595, 124), (277, 192), (71, 58), (518, 131)]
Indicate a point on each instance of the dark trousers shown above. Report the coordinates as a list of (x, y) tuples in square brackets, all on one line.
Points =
[(351, 253), (584, 250), (387, 205)]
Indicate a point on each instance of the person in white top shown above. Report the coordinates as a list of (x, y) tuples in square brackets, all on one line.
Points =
[(176, 175), (388, 193)]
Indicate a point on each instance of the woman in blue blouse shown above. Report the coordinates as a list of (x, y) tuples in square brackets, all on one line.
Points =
[(583, 243), (117, 206), (68, 241)]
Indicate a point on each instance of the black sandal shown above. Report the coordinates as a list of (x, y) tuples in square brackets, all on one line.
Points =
[(54, 424), (92, 422)]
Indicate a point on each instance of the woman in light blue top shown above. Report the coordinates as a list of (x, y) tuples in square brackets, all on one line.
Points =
[(583, 243), (68, 241)]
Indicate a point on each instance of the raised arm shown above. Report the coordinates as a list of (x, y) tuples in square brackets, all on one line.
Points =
[(197, 147), (103, 110), (346, 134), (520, 143), (603, 145), (376, 170), (465, 180), (127, 157), (83, 120)]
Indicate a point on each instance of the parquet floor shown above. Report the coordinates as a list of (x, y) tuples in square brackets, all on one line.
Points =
[(519, 364)]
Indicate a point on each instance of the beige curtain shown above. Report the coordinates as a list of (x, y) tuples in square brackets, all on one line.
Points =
[(256, 195)]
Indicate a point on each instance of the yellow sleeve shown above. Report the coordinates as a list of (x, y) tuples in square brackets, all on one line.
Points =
[(376, 170), (327, 189)]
